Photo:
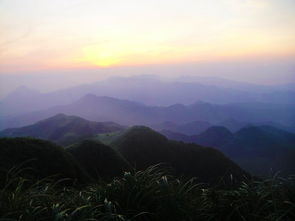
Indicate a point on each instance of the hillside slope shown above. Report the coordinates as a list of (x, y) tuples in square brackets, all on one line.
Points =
[(100, 161), (259, 150), (126, 112), (62, 129), (135, 88), (143, 147), (41, 158)]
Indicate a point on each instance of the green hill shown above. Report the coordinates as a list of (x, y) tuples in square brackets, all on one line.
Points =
[(62, 129), (42, 158), (99, 160), (213, 136), (143, 147), (258, 149)]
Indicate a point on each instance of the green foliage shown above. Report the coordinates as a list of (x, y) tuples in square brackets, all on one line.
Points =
[(143, 147), (146, 195), (108, 138), (63, 129), (257, 149), (99, 160), (41, 158)]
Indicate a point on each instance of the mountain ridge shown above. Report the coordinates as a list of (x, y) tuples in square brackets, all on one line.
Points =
[(63, 129), (258, 149), (161, 93), (95, 108)]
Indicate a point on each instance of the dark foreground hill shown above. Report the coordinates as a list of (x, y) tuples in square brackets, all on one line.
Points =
[(41, 158), (100, 161), (143, 147), (269, 149), (258, 149), (62, 129), (152, 194), (213, 136), (138, 147)]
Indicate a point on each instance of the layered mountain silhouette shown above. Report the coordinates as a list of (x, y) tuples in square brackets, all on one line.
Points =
[(143, 147), (214, 136), (98, 160), (190, 128), (264, 145), (234, 125), (63, 129), (258, 149), (126, 112), (21, 100), (176, 136), (138, 147), (150, 91), (37, 159)]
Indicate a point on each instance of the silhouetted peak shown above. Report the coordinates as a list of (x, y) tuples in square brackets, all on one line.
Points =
[(201, 104), (171, 135), (87, 144), (143, 134), (141, 130), (250, 129), (22, 91), (198, 122), (58, 117), (262, 130), (270, 128), (24, 88), (168, 124), (177, 106), (89, 97), (218, 130), (230, 120), (98, 98), (63, 120)]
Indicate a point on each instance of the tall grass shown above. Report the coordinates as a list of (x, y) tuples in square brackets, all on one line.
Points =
[(145, 195)]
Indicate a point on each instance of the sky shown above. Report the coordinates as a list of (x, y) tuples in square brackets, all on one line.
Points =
[(42, 37)]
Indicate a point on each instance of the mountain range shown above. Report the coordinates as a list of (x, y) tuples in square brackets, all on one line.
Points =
[(95, 108), (98, 160), (150, 91), (257, 149), (251, 124), (136, 148), (190, 128), (37, 159), (143, 147), (63, 129)]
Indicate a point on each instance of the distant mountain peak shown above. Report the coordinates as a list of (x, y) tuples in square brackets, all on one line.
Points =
[(142, 130), (91, 98), (177, 106), (60, 115), (88, 97), (23, 87), (138, 134), (218, 129), (22, 91), (201, 103), (63, 129)]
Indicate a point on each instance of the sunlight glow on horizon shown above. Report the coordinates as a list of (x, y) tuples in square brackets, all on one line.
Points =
[(40, 34)]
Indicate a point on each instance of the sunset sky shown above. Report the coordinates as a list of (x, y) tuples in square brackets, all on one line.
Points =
[(38, 35)]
